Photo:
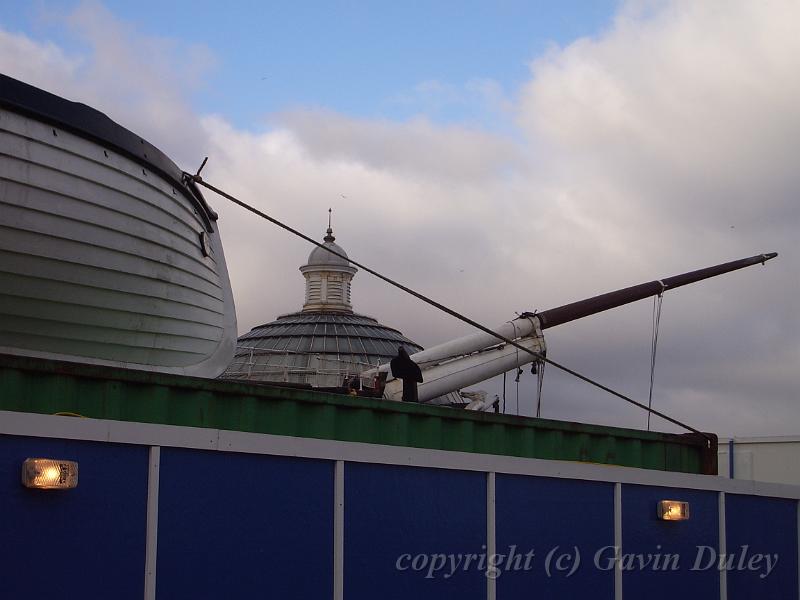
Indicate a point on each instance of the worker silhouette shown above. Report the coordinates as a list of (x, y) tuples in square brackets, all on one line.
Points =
[(406, 369)]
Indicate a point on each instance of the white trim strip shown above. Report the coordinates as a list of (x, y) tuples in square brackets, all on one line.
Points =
[(777, 439), (723, 549), (338, 531), (151, 540), (491, 532), (28, 424), (618, 541)]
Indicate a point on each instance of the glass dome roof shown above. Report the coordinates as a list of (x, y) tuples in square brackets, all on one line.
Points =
[(324, 344), (315, 348)]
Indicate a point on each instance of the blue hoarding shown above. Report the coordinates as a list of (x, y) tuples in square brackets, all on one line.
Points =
[(414, 533), (88, 542), (244, 526)]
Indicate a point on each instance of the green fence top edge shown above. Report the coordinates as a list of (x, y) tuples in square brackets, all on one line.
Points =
[(301, 395)]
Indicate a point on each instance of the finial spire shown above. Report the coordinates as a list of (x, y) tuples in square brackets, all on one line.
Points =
[(329, 237)]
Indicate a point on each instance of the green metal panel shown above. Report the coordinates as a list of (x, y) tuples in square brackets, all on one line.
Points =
[(49, 387)]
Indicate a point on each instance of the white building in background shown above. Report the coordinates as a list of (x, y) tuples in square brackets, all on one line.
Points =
[(770, 459), (326, 342)]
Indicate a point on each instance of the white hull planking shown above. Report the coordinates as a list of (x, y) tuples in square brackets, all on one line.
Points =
[(101, 260)]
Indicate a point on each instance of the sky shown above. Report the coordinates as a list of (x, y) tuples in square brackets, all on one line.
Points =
[(498, 157)]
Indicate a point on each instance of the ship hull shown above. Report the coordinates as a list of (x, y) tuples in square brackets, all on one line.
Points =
[(105, 256)]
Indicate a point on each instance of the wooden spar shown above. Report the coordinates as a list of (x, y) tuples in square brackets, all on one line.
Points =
[(603, 302)]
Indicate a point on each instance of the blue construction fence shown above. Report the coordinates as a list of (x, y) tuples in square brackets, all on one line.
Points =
[(235, 525)]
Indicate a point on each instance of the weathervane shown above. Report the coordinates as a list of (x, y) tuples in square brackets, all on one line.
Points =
[(329, 237)]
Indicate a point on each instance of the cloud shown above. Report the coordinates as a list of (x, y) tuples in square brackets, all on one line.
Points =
[(672, 134), (395, 211), (416, 148), (40, 64), (440, 99), (688, 109), (664, 144), (142, 81)]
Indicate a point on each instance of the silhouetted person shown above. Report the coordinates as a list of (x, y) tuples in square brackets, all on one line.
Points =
[(406, 369)]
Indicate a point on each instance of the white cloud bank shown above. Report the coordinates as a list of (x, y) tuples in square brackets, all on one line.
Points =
[(667, 143)]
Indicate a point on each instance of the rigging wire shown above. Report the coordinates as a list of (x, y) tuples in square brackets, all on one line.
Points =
[(197, 179), (504, 391), (539, 384), (519, 371), (657, 302)]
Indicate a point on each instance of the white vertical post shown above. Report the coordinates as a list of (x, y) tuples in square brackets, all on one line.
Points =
[(151, 538), (338, 531), (723, 549), (618, 541), (491, 534)]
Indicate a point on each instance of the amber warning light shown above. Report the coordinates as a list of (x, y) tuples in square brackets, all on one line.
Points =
[(673, 510), (49, 474)]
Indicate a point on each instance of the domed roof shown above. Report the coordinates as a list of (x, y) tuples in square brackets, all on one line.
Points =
[(319, 349), (324, 343), (320, 257)]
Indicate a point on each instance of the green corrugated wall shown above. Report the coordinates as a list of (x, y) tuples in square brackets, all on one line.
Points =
[(49, 387)]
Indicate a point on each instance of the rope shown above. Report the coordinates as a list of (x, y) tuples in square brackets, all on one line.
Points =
[(519, 371), (539, 384), (657, 302), (504, 391), (199, 180)]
